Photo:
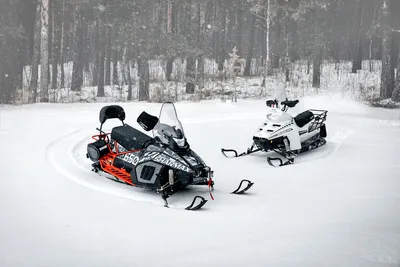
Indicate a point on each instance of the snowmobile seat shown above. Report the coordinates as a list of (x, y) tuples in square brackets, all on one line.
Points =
[(304, 118), (129, 137), (290, 103)]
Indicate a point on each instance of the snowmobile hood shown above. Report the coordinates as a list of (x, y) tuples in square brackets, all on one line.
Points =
[(189, 162), (275, 125)]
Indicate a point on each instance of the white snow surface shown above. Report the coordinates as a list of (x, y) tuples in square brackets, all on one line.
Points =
[(336, 206)]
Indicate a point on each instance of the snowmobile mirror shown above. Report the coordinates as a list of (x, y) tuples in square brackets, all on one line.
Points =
[(147, 121), (111, 112)]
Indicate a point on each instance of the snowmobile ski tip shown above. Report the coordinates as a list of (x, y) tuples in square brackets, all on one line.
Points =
[(238, 191)]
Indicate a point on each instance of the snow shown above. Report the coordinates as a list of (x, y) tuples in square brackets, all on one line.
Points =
[(337, 206)]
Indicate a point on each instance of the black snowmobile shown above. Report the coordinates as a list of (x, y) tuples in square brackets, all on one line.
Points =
[(164, 163)]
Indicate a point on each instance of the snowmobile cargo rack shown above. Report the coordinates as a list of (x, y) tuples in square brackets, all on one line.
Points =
[(320, 118)]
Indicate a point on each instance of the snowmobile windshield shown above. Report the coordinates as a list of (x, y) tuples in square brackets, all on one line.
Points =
[(169, 126)]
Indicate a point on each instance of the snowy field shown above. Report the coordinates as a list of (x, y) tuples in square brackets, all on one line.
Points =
[(338, 206)]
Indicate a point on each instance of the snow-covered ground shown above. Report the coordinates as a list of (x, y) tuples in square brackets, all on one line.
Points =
[(337, 206)]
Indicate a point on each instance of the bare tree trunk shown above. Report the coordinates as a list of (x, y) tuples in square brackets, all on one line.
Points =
[(35, 58), (128, 58), (115, 79), (268, 69), (77, 71), (239, 28), (317, 66), (222, 37), (100, 87), (172, 10), (387, 76), (62, 76), (371, 38), (97, 54), (396, 92), (190, 60), (109, 54), (357, 51), (200, 42), (44, 55), (55, 46), (247, 69), (143, 69), (190, 75)]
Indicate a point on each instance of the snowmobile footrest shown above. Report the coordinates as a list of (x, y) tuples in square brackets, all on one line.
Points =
[(281, 163), (238, 191), (201, 204)]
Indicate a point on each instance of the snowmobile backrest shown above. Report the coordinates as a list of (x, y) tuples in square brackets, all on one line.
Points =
[(147, 121), (111, 112)]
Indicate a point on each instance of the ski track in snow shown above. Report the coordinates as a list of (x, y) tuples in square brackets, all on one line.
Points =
[(333, 144), (378, 123)]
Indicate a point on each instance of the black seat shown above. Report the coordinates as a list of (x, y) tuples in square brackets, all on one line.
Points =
[(304, 118), (290, 103), (129, 137)]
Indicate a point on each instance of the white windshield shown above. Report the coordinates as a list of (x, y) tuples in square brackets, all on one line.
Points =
[(168, 125)]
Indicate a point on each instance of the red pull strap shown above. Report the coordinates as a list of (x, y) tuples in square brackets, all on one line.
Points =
[(210, 182)]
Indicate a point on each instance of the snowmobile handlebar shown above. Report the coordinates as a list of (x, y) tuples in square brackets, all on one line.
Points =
[(290, 103)]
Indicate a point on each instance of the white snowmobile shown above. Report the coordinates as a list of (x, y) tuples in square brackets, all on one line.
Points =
[(287, 135)]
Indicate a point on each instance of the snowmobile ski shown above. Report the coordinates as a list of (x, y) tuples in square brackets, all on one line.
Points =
[(242, 191), (203, 201), (281, 163), (198, 206)]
